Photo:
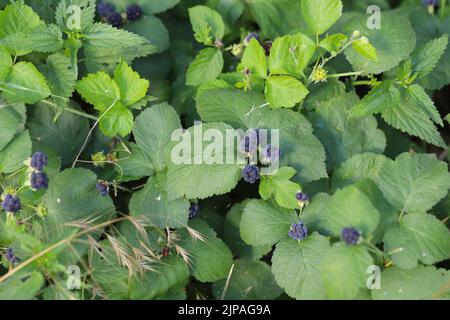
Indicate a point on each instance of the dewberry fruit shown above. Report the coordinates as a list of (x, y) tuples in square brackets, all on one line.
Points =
[(11, 203), (302, 197), (249, 37), (350, 236), (11, 257), (114, 19), (104, 9), (103, 188), (194, 210), (270, 154), (39, 180), (250, 173), (298, 231), (134, 12), (39, 161)]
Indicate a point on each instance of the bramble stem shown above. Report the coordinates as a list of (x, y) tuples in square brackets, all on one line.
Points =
[(345, 74), (71, 110)]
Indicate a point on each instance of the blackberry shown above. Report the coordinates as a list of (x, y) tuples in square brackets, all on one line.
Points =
[(134, 12), (39, 161), (11, 257), (302, 197), (350, 236), (103, 188), (39, 180), (249, 37), (267, 46), (114, 19), (11, 203), (270, 154), (250, 173), (194, 210), (104, 9), (298, 231)]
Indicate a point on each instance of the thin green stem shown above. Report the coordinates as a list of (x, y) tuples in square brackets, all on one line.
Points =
[(362, 83), (345, 74), (74, 111), (442, 9)]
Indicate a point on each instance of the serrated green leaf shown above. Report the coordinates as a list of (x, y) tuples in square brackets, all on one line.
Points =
[(134, 164), (320, 15), (422, 101), (118, 120), (333, 43), (41, 39), (67, 11), (284, 91), (207, 24), (131, 86), (383, 97), (254, 58), (365, 48), (425, 59), (153, 29), (21, 287), (15, 153), (295, 265), (102, 35), (263, 223), (11, 121), (280, 186), (206, 66), (99, 90)]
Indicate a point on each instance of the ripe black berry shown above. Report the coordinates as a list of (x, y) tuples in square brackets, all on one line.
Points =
[(194, 210), (104, 9), (298, 231), (114, 19), (39, 161), (250, 173), (350, 236), (103, 188), (39, 180), (11, 257), (302, 197), (11, 203), (134, 12), (267, 46)]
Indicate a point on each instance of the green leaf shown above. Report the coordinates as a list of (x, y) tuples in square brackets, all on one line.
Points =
[(333, 43), (118, 120), (153, 29), (284, 91), (41, 39), (250, 280), (343, 271), (233, 239), (134, 164), (425, 59), (320, 15), (152, 131), (65, 14), (290, 54), (206, 66), (349, 207), (12, 120), (25, 84), (383, 97), (391, 47), (414, 182), (422, 101), (156, 6), (263, 223), (13, 156), (99, 90), (280, 186), (295, 265), (153, 204), (102, 35), (419, 236), (22, 287), (6, 63), (207, 24), (416, 284), (201, 172), (365, 48), (209, 259), (254, 58), (72, 197), (132, 88)]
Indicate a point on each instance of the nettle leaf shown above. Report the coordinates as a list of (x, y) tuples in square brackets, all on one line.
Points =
[(349, 207), (290, 54), (391, 47), (414, 182), (343, 271), (153, 204), (383, 97), (153, 130), (295, 265), (201, 171), (418, 237), (250, 280), (254, 58), (41, 39), (15, 153), (344, 136), (320, 15), (423, 101), (425, 59), (280, 186), (233, 239), (72, 197), (207, 24), (416, 284), (265, 224), (209, 259), (17, 18), (284, 91), (102, 35), (207, 66)]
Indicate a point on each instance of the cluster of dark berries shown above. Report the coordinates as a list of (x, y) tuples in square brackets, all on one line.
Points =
[(109, 14), (298, 231), (250, 173), (11, 203), (103, 188), (39, 179), (194, 210), (350, 236), (11, 257)]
